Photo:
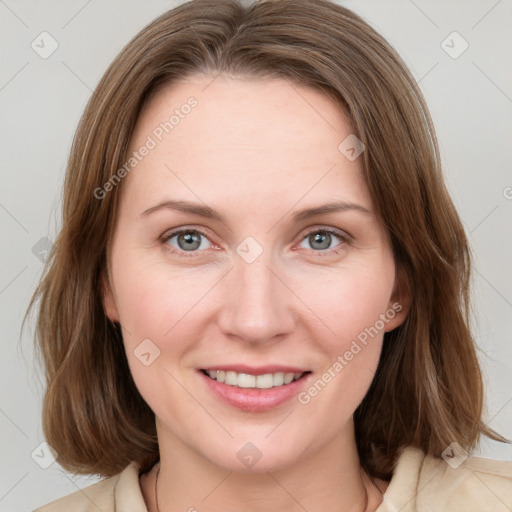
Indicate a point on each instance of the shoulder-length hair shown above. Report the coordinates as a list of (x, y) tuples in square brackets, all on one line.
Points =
[(427, 390)]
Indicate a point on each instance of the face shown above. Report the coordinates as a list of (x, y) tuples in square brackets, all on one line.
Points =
[(220, 262)]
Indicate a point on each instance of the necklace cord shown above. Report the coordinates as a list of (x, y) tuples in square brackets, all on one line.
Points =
[(366, 491), (156, 489)]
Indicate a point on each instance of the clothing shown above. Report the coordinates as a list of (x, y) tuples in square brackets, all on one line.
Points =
[(419, 484)]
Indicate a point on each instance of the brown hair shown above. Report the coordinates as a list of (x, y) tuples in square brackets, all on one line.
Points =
[(427, 390)]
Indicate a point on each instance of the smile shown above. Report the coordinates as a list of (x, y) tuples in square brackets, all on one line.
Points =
[(246, 380)]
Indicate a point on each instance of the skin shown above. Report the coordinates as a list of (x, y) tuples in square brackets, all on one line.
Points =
[(256, 151)]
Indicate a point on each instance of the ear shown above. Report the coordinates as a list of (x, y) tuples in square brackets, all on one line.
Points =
[(109, 303), (399, 302)]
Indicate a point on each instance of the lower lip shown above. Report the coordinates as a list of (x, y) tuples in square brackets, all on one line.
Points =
[(252, 399)]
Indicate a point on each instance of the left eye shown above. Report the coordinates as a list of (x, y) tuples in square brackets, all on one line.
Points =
[(188, 240), (321, 239)]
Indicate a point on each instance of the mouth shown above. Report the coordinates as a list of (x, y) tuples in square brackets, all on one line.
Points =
[(252, 381), (255, 390)]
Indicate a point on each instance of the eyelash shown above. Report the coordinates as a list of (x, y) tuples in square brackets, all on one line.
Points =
[(322, 253)]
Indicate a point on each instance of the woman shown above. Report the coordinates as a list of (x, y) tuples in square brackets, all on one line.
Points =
[(259, 297)]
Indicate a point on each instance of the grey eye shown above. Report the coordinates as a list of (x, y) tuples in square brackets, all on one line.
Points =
[(188, 240), (320, 240)]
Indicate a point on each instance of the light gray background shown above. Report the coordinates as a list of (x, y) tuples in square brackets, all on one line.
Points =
[(470, 98)]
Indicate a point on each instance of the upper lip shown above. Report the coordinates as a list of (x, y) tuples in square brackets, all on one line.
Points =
[(255, 370)]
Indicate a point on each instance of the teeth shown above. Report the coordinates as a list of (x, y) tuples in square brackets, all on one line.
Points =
[(288, 377), (231, 379), (244, 380), (278, 379), (265, 381)]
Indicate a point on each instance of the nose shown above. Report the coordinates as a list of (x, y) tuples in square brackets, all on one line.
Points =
[(256, 305)]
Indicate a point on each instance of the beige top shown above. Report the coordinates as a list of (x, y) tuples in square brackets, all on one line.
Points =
[(419, 484)]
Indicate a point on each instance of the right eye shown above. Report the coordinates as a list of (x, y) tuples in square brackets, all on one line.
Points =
[(186, 240)]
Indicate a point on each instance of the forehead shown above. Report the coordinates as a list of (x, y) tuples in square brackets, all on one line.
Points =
[(240, 106), (269, 138)]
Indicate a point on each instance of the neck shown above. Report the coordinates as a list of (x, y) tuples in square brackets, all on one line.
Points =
[(329, 480)]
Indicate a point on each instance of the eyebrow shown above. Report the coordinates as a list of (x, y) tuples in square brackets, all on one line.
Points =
[(209, 213)]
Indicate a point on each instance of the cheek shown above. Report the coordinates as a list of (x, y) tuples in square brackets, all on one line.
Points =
[(353, 302), (150, 299), (162, 314), (353, 308), (153, 311)]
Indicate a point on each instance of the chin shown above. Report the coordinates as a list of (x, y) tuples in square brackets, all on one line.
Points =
[(258, 456)]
